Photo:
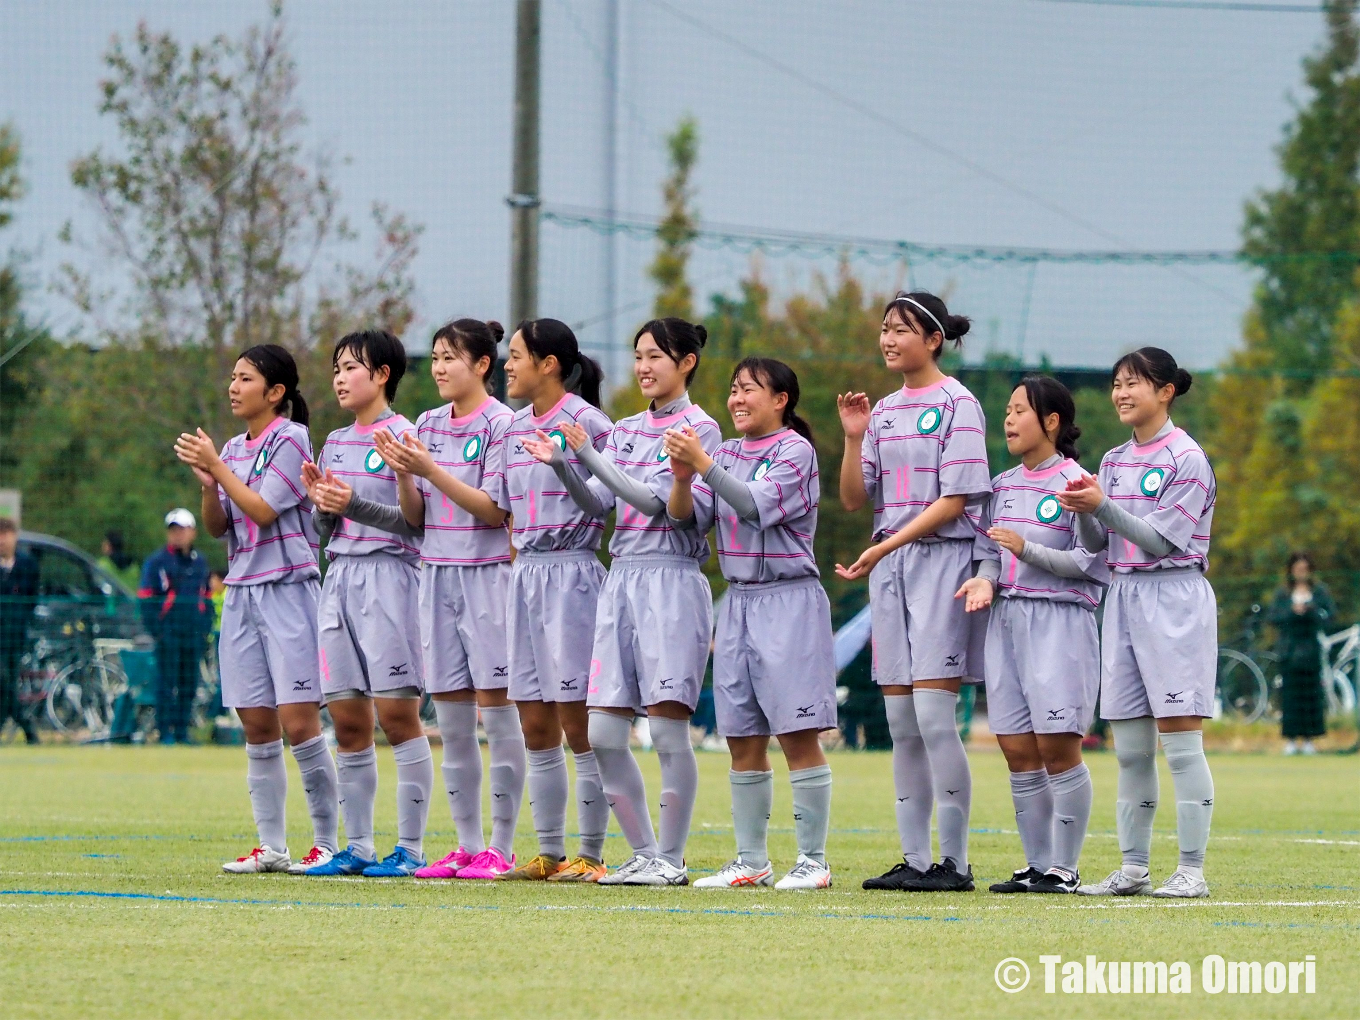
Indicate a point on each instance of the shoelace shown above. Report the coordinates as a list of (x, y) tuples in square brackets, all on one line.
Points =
[(804, 868), (254, 853), (731, 867), (635, 863), (313, 856), (1180, 880)]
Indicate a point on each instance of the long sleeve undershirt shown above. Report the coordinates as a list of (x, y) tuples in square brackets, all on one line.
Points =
[(632, 491), (1093, 530), (734, 492), (1059, 562)]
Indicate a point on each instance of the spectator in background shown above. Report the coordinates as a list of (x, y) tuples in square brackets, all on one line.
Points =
[(114, 560), (178, 612), (1301, 609), (18, 596)]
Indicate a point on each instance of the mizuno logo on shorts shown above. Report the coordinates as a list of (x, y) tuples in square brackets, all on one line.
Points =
[(569, 685), (952, 660), (805, 712), (1174, 698), (1056, 713), (302, 685), (666, 684), (500, 671), (398, 670)]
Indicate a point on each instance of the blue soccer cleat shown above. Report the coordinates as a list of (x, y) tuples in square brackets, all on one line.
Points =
[(400, 863), (347, 862)]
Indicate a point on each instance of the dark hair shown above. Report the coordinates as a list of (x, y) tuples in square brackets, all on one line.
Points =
[(1295, 557), (778, 378), (580, 374), (217, 572), (1048, 396), (277, 366), (375, 349), (117, 555), (952, 327), (473, 337), (676, 337), (7, 524), (1157, 367)]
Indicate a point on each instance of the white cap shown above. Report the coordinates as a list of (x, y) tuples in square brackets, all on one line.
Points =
[(180, 518)]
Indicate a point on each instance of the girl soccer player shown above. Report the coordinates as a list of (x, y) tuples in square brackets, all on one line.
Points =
[(773, 671), (449, 477), (1043, 654), (553, 589), (369, 657), (655, 612), (1150, 510), (921, 457), (252, 495)]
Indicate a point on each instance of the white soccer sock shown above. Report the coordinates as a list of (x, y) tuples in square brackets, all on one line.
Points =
[(752, 798), (415, 784), (1033, 800), (319, 781), (462, 769), (509, 764), (1135, 748), (267, 780), (679, 785), (592, 809), (357, 779), (1194, 788), (621, 778), (1072, 793), (548, 800), (951, 778), (911, 780), (812, 809)]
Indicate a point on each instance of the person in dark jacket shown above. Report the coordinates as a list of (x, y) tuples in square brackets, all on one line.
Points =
[(18, 596), (1301, 609), (178, 612)]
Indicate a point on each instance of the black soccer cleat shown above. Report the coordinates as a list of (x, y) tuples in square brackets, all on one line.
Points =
[(1020, 881), (943, 877), (1057, 880), (895, 878)]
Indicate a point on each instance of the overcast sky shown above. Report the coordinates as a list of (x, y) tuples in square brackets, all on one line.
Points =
[(999, 123)]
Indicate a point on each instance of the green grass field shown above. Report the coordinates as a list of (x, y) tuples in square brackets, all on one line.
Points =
[(112, 903)]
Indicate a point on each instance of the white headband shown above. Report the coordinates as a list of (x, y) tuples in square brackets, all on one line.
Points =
[(913, 301)]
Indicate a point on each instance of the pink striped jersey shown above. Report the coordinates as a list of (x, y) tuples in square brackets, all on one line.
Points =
[(1026, 502), (923, 444), (781, 471), (1170, 484), (635, 447), (349, 453), (547, 519), (271, 465), (472, 449)]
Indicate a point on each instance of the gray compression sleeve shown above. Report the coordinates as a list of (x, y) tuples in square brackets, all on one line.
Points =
[(733, 492), (1135, 529), (1060, 562), (579, 489), (1091, 533), (989, 569), (383, 516), (631, 490)]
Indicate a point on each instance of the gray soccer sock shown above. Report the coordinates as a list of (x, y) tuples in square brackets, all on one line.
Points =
[(548, 800), (1194, 788), (752, 798), (811, 809), (505, 741), (1033, 800), (267, 780), (679, 785), (415, 784), (911, 780), (1072, 793), (319, 781), (592, 809), (462, 769), (357, 779), (621, 778), (952, 780), (1135, 748)]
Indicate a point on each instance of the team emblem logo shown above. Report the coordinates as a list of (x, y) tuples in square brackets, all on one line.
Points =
[(929, 421), (472, 448), (556, 436), (1048, 510), (261, 462), (373, 462), (1151, 482), (762, 469), (661, 455)]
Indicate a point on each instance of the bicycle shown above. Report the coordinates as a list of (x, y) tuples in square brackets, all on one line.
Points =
[(1340, 669), (80, 695), (1247, 676)]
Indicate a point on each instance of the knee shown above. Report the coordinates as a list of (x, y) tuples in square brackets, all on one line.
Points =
[(671, 737), (609, 731), (1135, 741), (577, 733)]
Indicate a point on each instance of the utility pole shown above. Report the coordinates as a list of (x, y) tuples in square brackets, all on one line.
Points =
[(613, 343), (523, 199)]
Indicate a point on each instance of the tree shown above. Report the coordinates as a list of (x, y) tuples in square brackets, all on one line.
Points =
[(680, 226)]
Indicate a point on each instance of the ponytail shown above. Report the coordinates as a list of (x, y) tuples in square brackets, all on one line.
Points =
[(777, 377), (1048, 396), (552, 337), (930, 315), (1157, 367), (278, 368)]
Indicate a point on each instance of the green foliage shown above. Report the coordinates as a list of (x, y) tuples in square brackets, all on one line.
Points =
[(679, 227)]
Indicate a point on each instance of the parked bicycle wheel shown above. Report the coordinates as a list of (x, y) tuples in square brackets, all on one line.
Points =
[(1339, 684), (81, 697), (1243, 692)]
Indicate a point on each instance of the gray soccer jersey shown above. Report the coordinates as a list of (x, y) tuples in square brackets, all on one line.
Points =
[(923, 444), (271, 465), (471, 449), (350, 454), (546, 518)]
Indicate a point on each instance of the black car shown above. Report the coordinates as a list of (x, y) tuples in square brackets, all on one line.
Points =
[(76, 599)]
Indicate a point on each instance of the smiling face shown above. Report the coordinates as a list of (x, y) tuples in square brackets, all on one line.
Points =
[(659, 378), (904, 344), (355, 386), (1137, 400), (756, 409), (1025, 433), (454, 374), (249, 394), (524, 376)]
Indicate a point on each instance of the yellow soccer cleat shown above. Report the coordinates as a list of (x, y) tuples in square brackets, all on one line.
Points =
[(580, 869), (536, 869)]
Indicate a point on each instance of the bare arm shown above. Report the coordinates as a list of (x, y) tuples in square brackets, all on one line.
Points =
[(854, 413), (410, 456), (214, 517), (412, 502)]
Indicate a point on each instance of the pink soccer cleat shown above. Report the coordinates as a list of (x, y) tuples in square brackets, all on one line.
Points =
[(487, 864), (448, 866)]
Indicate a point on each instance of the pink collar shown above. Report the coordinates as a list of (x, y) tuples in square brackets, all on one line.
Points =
[(754, 445), (253, 443), (470, 415), (656, 422), (1159, 441), (909, 392), (368, 430), (1040, 474), (547, 417)]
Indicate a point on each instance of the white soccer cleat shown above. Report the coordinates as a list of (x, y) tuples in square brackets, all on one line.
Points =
[(660, 871), (316, 856), (626, 870), (735, 875), (1183, 885), (258, 861), (1118, 884), (806, 874)]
